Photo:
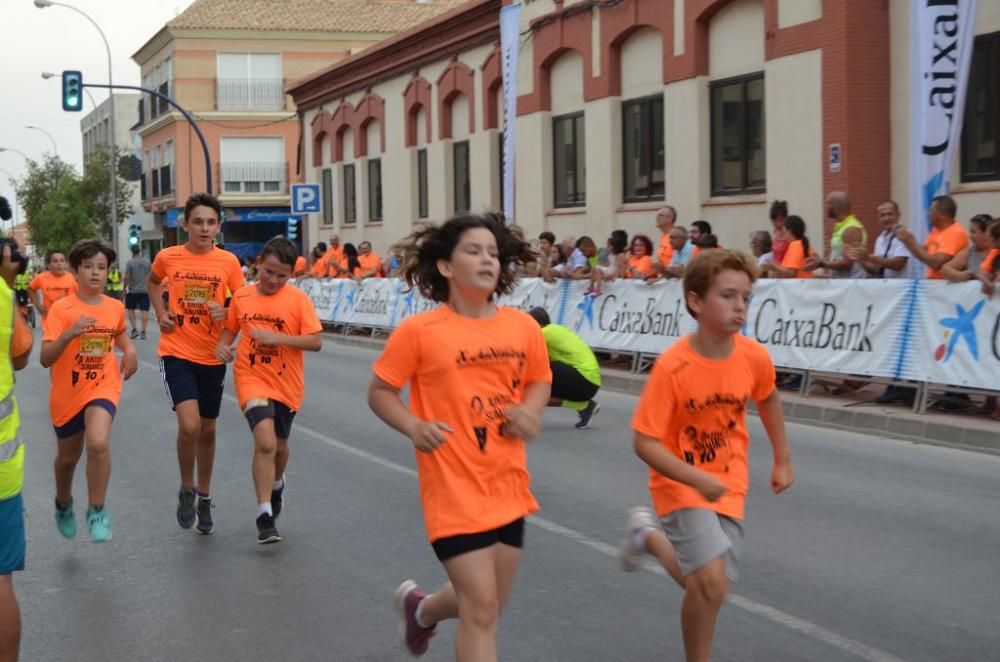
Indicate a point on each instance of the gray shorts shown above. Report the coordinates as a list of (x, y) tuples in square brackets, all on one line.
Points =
[(700, 535)]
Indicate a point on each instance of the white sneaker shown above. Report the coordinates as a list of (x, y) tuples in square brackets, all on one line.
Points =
[(629, 557)]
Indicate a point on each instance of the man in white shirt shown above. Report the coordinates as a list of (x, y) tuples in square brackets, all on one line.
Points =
[(890, 258)]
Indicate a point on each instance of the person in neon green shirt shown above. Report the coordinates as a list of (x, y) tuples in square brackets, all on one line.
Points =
[(838, 209), (576, 376)]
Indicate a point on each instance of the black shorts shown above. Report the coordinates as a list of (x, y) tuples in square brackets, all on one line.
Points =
[(511, 535), (78, 423), (568, 384), (279, 411), (137, 301), (186, 380)]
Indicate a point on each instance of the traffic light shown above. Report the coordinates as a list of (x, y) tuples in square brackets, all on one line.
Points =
[(293, 229), (133, 235), (72, 91)]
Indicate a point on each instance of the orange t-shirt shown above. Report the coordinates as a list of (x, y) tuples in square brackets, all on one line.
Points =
[(343, 274), (665, 252), (195, 279), (989, 265), (87, 369), (270, 371), (369, 262), (950, 241), (334, 255), (318, 268), (696, 408), (53, 287), (301, 266), (795, 258), (644, 265), (466, 372)]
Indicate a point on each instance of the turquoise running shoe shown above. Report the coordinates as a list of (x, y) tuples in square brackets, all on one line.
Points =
[(99, 522), (66, 520)]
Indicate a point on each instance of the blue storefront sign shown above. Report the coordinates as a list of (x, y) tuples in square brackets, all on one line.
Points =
[(241, 215)]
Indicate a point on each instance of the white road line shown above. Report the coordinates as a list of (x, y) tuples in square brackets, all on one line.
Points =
[(760, 609)]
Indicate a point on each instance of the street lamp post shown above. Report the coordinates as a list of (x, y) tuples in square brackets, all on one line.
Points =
[(112, 165), (55, 149), (16, 151)]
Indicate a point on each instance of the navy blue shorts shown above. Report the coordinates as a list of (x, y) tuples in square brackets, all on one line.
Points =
[(78, 423), (11, 535), (137, 301), (279, 411), (187, 380)]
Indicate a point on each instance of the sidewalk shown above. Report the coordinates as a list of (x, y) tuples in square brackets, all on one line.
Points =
[(849, 412)]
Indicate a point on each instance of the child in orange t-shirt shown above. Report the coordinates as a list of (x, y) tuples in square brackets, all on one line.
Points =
[(276, 324), (989, 268), (86, 384), (54, 284), (479, 380), (690, 428)]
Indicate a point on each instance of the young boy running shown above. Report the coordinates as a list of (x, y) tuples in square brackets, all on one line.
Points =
[(479, 379), (54, 283), (199, 276), (276, 324), (690, 428), (86, 383)]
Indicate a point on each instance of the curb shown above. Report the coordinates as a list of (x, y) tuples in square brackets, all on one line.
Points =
[(889, 423)]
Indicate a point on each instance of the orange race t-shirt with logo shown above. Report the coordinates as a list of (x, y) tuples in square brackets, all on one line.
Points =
[(87, 369), (369, 262), (992, 262), (643, 265), (270, 371), (300, 266), (696, 408), (950, 241), (334, 255), (665, 253), (795, 258), (466, 373), (53, 287), (195, 280)]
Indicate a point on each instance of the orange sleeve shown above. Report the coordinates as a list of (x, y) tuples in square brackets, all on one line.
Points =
[(55, 324), (764, 375), (120, 325), (233, 316), (36, 282), (20, 341), (652, 415), (308, 319), (987, 264), (159, 266), (537, 368), (398, 363), (953, 242), (235, 279), (795, 256)]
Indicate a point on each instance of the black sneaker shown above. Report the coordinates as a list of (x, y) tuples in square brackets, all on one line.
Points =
[(277, 500), (134, 334), (205, 523), (587, 415), (142, 335), (185, 508), (266, 533)]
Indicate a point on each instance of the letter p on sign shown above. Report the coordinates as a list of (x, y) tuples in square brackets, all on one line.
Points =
[(306, 199)]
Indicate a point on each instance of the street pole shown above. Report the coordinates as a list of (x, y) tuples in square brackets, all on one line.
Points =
[(112, 165), (55, 149)]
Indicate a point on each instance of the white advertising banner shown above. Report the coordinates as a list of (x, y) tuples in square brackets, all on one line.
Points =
[(510, 43), (941, 36)]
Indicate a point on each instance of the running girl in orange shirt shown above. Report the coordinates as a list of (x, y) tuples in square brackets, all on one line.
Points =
[(200, 274), (690, 428), (86, 383), (479, 380), (54, 284), (276, 324)]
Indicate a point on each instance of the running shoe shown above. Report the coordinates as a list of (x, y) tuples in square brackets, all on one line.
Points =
[(99, 522), (266, 533), (66, 520), (133, 334), (278, 499), (205, 523), (414, 637), (630, 557), (587, 415), (142, 335), (185, 508)]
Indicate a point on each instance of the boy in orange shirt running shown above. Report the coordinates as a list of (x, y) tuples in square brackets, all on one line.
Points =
[(690, 428), (200, 274), (479, 379), (54, 284), (86, 384), (276, 325)]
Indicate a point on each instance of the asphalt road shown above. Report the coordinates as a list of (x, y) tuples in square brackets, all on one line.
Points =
[(883, 550)]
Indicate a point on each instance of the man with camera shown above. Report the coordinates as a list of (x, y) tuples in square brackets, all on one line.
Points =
[(15, 346)]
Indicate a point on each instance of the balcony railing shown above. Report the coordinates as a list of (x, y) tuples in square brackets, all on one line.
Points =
[(253, 178), (249, 94)]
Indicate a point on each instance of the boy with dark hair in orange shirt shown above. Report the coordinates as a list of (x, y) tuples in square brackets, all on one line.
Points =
[(200, 274), (277, 324), (690, 428), (479, 379), (86, 384)]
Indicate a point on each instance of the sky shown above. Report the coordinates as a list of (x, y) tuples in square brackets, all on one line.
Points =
[(54, 39)]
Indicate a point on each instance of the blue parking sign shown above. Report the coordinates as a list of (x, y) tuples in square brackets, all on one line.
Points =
[(306, 199)]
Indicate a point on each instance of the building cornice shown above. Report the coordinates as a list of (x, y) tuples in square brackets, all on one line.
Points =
[(217, 116)]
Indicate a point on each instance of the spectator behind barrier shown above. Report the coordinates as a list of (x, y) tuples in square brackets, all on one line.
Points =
[(615, 264), (891, 258), (792, 265), (779, 239), (946, 240), (666, 218), (640, 264), (838, 209), (578, 264), (965, 265), (990, 267), (761, 246), (683, 252)]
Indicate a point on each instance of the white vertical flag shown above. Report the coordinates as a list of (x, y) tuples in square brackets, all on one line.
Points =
[(510, 37)]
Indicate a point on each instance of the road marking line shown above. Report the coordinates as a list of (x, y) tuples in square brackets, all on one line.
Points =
[(760, 609)]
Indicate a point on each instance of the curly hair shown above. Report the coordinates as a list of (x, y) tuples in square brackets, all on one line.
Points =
[(419, 253)]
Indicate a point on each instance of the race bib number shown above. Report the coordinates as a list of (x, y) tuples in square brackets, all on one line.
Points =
[(92, 344), (197, 293)]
